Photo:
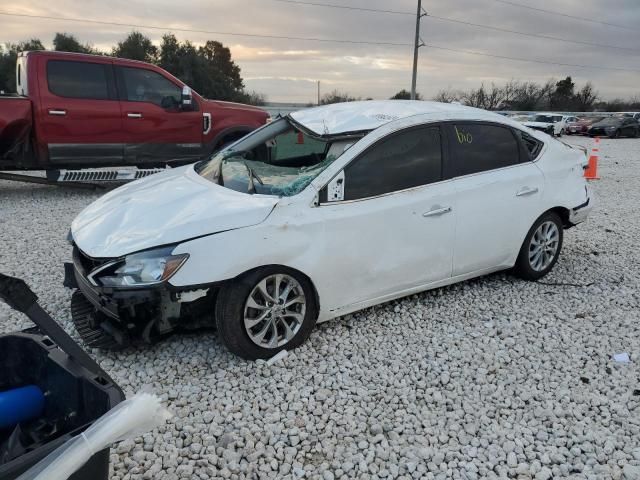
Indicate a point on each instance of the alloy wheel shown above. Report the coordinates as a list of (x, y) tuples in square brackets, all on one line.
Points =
[(543, 247), (274, 311)]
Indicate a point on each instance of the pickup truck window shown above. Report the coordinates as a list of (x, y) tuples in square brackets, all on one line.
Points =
[(78, 79), (141, 85)]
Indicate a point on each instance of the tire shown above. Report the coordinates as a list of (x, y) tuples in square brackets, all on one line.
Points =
[(233, 312), (615, 134), (526, 266)]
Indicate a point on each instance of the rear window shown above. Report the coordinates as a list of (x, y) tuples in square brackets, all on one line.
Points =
[(78, 79), (532, 145), (480, 147)]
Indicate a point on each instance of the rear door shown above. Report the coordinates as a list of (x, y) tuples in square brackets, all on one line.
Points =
[(498, 193), (78, 115), (157, 129)]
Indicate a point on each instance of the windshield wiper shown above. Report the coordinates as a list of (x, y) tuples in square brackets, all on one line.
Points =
[(252, 175)]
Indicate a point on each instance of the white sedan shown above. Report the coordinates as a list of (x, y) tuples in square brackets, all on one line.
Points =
[(550, 123), (321, 213)]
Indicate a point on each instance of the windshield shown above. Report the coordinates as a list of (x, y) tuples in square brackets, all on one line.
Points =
[(544, 118), (278, 159), (610, 121)]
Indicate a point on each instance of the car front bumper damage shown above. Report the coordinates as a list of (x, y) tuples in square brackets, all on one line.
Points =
[(112, 317)]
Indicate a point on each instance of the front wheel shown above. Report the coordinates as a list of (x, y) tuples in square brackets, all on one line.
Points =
[(541, 248), (265, 311)]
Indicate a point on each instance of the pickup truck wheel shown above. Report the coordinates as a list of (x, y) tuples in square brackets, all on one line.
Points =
[(265, 311), (541, 248)]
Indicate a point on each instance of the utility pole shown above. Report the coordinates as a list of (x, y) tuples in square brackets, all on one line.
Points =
[(318, 92), (418, 43)]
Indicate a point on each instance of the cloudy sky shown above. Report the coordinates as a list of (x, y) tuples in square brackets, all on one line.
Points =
[(287, 70)]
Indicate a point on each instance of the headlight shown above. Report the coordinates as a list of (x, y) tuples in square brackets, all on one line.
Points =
[(139, 269)]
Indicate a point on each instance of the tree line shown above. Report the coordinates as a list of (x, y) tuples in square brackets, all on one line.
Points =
[(517, 95), (209, 69)]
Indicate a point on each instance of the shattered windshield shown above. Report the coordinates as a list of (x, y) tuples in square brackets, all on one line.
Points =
[(278, 159)]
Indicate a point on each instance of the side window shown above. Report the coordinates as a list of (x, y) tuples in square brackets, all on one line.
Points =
[(532, 145), (407, 159), (478, 147), (78, 79), (141, 85)]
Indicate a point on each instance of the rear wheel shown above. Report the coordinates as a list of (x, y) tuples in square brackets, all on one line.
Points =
[(265, 311), (615, 134), (541, 248)]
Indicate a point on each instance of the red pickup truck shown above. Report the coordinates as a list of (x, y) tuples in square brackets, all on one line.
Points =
[(78, 111)]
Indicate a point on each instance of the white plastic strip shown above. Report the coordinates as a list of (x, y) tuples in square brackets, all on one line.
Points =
[(129, 419)]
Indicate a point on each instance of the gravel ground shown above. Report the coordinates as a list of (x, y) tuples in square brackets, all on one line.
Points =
[(491, 378)]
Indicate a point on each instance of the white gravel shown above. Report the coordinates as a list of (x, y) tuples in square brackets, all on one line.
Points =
[(492, 378)]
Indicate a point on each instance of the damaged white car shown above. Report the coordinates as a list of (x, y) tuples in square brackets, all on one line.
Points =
[(550, 123), (322, 213)]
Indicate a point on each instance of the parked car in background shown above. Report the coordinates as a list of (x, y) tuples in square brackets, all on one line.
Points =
[(634, 115), (581, 125), (550, 123), (80, 111), (380, 199), (614, 127)]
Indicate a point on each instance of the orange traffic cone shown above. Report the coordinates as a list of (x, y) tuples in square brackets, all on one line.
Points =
[(591, 172)]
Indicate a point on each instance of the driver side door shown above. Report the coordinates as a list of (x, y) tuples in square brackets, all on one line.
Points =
[(157, 130)]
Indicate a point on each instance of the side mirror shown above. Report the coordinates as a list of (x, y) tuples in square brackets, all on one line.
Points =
[(335, 188), (187, 98)]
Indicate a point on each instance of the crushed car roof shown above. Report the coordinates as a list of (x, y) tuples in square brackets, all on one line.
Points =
[(342, 118)]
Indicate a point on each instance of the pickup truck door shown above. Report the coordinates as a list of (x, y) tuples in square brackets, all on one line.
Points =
[(78, 119), (157, 129)]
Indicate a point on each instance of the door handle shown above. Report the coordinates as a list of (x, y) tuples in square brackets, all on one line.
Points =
[(437, 211), (526, 191), (60, 113), (134, 115)]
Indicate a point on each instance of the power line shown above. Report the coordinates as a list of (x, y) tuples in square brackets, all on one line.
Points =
[(345, 7), (575, 17), (282, 37), (535, 35), (212, 32), (594, 67), (461, 22)]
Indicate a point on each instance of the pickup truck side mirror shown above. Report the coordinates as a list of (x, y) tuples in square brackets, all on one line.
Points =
[(187, 98)]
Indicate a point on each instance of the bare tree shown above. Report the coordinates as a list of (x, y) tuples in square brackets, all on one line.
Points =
[(474, 97), (447, 95), (586, 97), (494, 97), (337, 97)]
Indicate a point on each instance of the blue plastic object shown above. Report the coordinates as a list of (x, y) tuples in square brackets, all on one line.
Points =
[(20, 405)]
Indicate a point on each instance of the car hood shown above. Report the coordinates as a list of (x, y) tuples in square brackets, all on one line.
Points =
[(162, 209)]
